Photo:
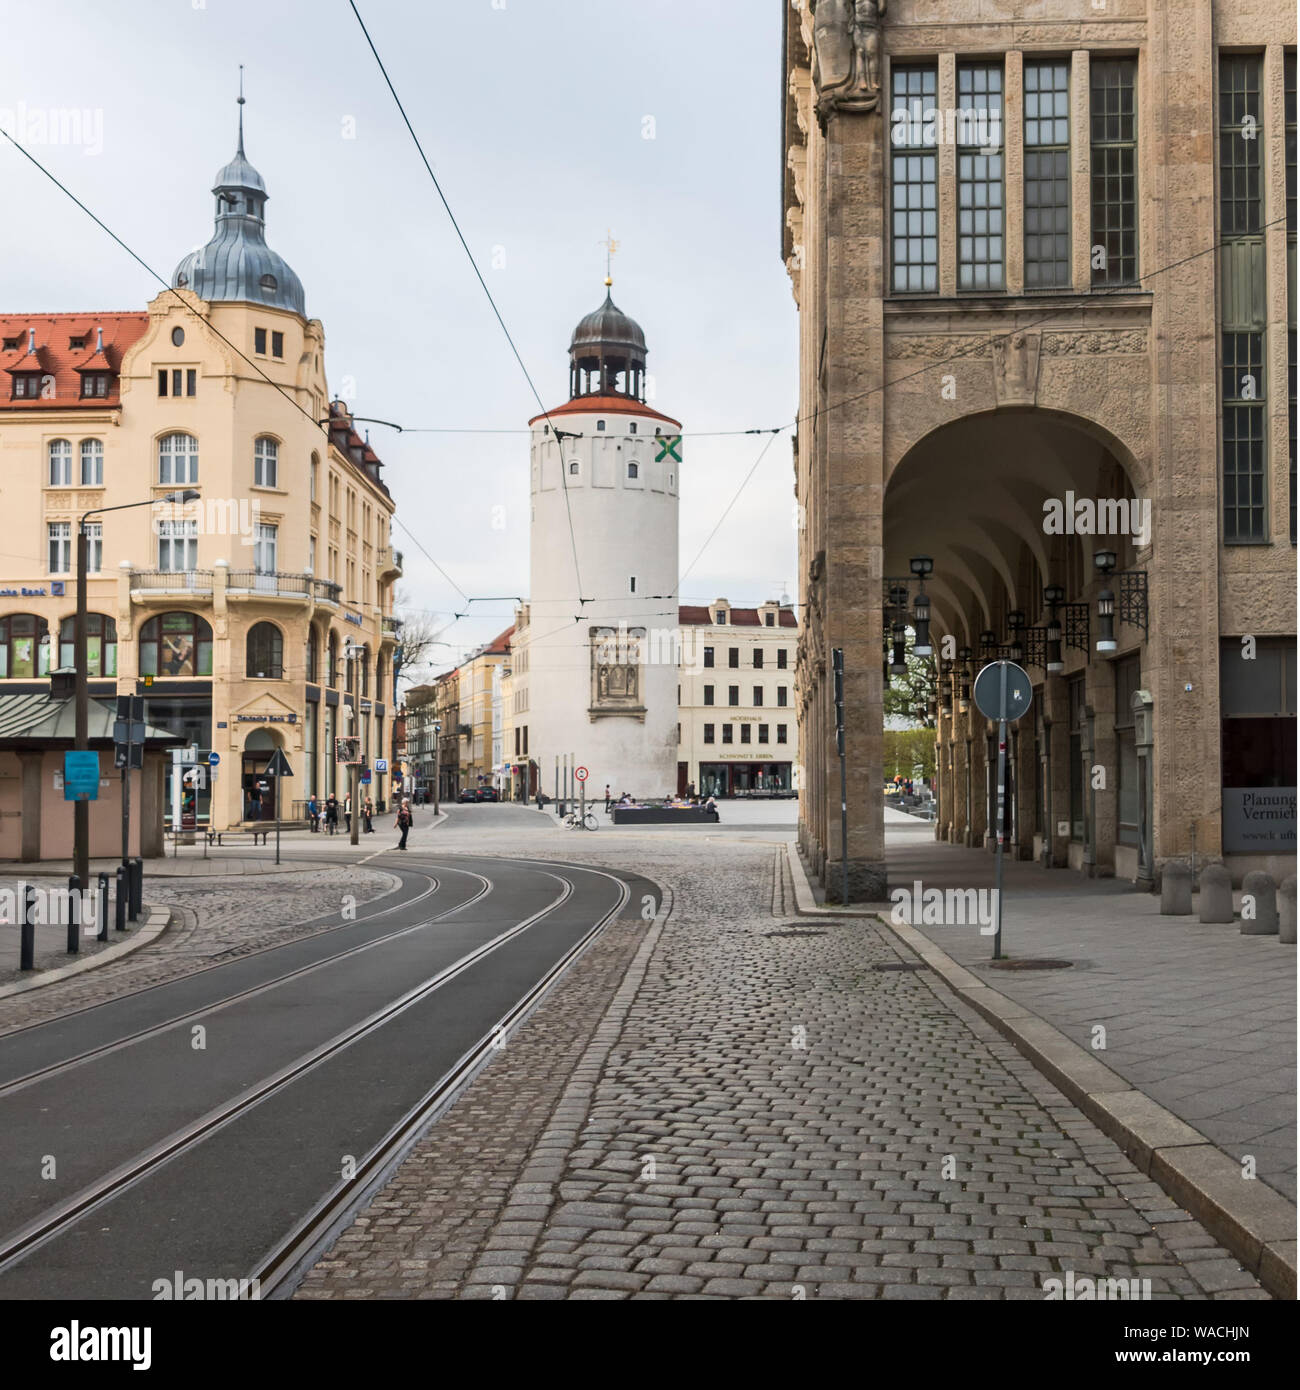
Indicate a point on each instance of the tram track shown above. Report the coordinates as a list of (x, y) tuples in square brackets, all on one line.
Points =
[(276, 1268)]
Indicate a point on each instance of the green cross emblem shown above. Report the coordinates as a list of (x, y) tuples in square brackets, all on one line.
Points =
[(669, 444)]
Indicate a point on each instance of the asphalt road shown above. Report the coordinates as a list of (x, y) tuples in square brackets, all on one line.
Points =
[(132, 1095)]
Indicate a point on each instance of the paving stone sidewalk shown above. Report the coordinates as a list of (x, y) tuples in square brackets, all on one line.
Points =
[(761, 1114)]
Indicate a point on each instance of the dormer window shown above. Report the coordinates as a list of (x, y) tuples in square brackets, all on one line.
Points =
[(720, 617), (770, 619), (12, 344), (76, 344), (27, 386), (269, 284), (94, 385)]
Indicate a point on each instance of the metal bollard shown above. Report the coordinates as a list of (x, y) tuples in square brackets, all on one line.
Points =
[(75, 905), (27, 950), (136, 889), (120, 896), (103, 908)]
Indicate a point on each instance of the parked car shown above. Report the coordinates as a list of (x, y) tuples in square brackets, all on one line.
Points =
[(468, 794), (488, 794)]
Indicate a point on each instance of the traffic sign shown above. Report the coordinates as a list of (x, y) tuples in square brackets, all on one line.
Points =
[(996, 700), (213, 759), (80, 776), (279, 765), (365, 778), (128, 731), (580, 773), (381, 764)]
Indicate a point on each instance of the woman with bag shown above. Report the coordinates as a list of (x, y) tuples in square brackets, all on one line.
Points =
[(403, 823)]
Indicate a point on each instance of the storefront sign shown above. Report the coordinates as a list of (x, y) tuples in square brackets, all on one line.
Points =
[(264, 719), (55, 589), (353, 618), (1259, 820)]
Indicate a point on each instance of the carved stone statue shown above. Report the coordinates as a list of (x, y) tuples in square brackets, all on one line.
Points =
[(846, 40)]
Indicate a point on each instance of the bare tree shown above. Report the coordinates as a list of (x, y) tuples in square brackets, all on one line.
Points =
[(419, 642)]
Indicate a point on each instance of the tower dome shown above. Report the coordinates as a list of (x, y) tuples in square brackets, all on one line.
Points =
[(607, 353), (237, 264)]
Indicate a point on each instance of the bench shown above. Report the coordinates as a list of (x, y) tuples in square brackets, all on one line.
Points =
[(215, 836)]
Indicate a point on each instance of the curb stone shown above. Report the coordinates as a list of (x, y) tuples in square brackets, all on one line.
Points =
[(1252, 1221)]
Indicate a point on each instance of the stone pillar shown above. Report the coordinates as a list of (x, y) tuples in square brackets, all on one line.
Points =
[(946, 97), (1058, 703), (1026, 788), (1080, 173), (1013, 134), (979, 779), (1100, 682), (854, 372)]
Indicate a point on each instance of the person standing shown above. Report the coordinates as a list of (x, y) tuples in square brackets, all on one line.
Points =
[(607, 798), (403, 823), (313, 813), (347, 813), (368, 813), (332, 813)]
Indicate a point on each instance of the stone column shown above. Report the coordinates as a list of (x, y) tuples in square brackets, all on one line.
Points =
[(855, 255), (1100, 681), (1013, 135), (1026, 788), (946, 96), (1058, 705), (1080, 173)]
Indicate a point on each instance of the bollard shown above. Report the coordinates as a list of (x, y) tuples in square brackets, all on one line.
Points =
[(1176, 889), (1216, 894), (1259, 885), (119, 899), (1286, 905), (135, 889), (27, 950), (103, 908), (75, 905)]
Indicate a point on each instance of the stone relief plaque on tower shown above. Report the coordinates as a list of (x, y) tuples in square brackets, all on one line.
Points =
[(1015, 368), (846, 42), (617, 656)]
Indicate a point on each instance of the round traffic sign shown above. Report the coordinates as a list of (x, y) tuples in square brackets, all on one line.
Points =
[(213, 759), (1002, 691), (580, 773)]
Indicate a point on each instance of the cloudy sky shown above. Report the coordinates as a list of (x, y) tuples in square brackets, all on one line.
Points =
[(547, 123)]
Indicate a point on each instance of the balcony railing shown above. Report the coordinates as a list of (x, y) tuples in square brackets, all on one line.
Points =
[(327, 592), (391, 627), (274, 582), (172, 581)]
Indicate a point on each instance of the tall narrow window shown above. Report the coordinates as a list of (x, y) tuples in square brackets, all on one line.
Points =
[(266, 456), (264, 548), (913, 182), (1243, 437), (178, 459), (60, 533), (1243, 300), (94, 547), (178, 546), (1047, 175), (1114, 172), (979, 177), (60, 463), (92, 463)]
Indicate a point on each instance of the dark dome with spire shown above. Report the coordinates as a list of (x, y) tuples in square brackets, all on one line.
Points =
[(237, 264), (607, 353)]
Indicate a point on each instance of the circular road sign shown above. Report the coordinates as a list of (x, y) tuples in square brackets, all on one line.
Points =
[(994, 700), (580, 773), (213, 759)]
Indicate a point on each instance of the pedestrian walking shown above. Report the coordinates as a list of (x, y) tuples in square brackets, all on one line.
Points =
[(368, 812), (313, 814), (347, 812), (607, 798), (403, 823), (332, 813)]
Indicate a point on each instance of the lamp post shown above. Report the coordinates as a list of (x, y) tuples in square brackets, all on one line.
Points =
[(1105, 561), (1054, 597), (437, 769), (81, 686), (352, 650)]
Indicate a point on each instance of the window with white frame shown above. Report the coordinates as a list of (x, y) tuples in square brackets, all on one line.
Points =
[(264, 548), (94, 547), (60, 538), (178, 546), (92, 463), (266, 462), (178, 459), (60, 463)]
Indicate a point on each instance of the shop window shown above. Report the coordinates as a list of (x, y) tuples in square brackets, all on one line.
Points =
[(265, 652), (24, 650), (176, 644), (101, 644)]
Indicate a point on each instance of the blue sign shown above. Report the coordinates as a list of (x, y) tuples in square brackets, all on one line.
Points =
[(381, 764), (365, 778), (213, 759), (80, 776)]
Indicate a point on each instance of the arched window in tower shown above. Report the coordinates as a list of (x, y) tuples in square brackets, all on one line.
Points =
[(633, 470), (600, 424), (631, 429), (573, 466)]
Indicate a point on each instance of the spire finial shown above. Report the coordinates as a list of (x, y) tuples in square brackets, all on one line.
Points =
[(241, 108), (610, 246)]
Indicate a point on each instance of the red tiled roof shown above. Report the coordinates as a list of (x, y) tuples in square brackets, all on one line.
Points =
[(501, 642), (56, 357), (613, 405), (689, 615)]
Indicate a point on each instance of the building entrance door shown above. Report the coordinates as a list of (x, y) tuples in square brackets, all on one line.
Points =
[(259, 790)]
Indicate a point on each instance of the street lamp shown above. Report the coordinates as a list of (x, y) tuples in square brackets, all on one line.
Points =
[(437, 771), (1016, 625), (1054, 597), (352, 650), (81, 686), (964, 655), (1105, 561), (898, 666)]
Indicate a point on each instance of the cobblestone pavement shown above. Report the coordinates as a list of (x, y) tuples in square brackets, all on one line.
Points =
[(686, 1140), (215, 918), (1199, 1017)]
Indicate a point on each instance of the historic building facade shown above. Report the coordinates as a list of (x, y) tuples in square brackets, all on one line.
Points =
[(1042, 257), (595, 668), (256, 616), (737, 714)]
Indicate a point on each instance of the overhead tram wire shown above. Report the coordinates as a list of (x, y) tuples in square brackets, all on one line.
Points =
[(207, 323), (478, 275)]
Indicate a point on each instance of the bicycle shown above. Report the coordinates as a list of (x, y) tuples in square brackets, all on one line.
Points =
[(574, 821)]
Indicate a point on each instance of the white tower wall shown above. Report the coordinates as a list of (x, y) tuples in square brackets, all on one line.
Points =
[(625, 529)]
